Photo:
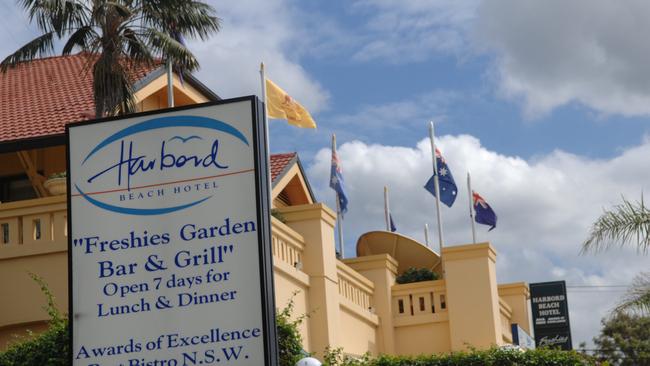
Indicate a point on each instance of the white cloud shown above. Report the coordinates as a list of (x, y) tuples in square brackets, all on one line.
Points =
[(550, 53), (254, 31), (413, 30), (544, 207)]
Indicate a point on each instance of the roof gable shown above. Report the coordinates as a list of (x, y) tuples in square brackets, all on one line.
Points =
[(290, 185)]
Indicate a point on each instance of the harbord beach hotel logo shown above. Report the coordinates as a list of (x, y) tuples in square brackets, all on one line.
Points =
[(160, 165)]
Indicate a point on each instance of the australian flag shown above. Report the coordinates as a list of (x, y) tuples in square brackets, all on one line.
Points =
[(483, 212), (446, 182), (336, 182)]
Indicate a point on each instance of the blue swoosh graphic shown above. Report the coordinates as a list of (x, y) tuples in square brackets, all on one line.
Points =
[(185, 139), (139, 211), (171, 121)]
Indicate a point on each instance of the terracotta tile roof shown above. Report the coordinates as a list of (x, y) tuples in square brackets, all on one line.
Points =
[(38, 98), (279, 163)]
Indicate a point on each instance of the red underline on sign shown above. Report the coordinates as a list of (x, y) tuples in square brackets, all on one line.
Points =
[(166, 183)]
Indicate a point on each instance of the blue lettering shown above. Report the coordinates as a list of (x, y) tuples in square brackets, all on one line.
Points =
[(130, 165)]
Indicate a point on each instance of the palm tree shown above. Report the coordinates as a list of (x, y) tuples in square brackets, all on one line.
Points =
[(627, 223), (117, 34)]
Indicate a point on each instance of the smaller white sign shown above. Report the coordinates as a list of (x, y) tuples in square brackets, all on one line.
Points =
[(521, 338)]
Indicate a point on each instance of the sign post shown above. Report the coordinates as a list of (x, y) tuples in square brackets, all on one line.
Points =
[(550, 312), (169, 238)]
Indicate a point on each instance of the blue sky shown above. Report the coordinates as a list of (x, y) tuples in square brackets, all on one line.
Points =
[(547, 103), (476, 106)]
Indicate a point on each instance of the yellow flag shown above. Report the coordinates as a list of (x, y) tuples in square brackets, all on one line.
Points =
[(281, 106)]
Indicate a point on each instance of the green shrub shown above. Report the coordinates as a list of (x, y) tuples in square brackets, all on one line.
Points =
[(49, 348), (289, 340), (491, 357), (278, 215), (336, 357), (416, 275)]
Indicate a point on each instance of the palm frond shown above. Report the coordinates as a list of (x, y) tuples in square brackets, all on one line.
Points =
[(118, 34), (39, 46), (196, 19), (626, 223), (637, 297), (192, 18), (135, 48), (56, 15), (81, 38), (169, 47)]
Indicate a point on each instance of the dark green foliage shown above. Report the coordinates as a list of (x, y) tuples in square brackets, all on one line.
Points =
[(49, 348), (289, 340), (278, 215), (416, 275), (336, 357), (492, 357), (624, 340)]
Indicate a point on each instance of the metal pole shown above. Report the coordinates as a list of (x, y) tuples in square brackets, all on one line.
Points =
[(471, 209), (436, 184), (339, 225), (266, 132), (386, 209), (170, 83), (426, 234), (339, 221), (437, 190)]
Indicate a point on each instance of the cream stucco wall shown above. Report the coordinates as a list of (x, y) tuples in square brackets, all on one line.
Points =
[(353, 304), (472, 297)]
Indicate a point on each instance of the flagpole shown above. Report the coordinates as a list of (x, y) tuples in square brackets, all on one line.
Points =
[(436, 185), (170, 83), (426, 234), (266, 132), (386, 209), (471, 211), (339, 221)]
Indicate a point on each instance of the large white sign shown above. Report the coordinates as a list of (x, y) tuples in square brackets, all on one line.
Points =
[(168, 239)]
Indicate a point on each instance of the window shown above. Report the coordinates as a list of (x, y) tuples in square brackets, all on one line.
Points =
[(16, 188)]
